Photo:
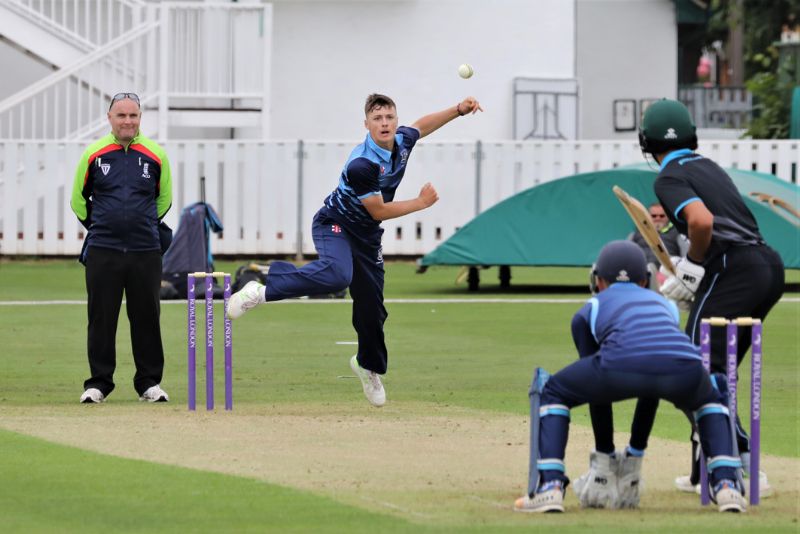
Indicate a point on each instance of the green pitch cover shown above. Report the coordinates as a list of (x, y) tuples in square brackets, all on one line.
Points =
[(567, 221)]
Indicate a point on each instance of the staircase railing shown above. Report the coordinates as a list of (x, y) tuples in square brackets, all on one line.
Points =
[(193, 56), (86, 23), (70, 100)]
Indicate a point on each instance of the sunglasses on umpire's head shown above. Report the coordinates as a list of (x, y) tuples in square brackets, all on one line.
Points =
[(122, 96)]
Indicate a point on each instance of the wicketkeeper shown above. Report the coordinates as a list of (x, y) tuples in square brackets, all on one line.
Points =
[(639, 352)]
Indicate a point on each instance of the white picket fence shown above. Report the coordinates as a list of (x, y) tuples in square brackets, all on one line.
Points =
[(266, 196)]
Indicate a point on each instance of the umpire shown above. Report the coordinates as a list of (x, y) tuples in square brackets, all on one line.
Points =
[(121, 191), (729, 271)]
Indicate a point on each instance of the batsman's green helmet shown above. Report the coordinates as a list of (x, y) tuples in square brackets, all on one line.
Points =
[(667, 125)]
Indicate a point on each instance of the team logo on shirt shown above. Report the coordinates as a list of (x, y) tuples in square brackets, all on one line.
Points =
[(403, 155), (145, 171), (380, 256), (105, 167), (336, 229), (670, 134), (383, 169)]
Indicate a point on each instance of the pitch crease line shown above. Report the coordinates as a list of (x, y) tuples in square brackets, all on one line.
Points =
[(785, 300)]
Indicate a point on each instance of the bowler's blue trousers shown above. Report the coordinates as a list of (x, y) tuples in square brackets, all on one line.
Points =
[(346, 259)]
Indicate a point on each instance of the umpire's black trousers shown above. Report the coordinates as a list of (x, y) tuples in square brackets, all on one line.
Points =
[(109, 273)]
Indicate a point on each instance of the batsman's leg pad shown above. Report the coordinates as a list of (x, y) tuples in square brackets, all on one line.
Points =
[(716, 462), (718, 436), (598, 487), (742, 440), (709, 409), (720, 383)]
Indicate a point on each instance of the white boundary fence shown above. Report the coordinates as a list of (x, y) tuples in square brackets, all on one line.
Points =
[(266, 196)]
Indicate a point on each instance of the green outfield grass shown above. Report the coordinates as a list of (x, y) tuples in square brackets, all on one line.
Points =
[(478, 355)]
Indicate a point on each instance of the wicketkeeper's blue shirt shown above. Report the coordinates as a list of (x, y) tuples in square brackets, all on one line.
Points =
[(634, 329)]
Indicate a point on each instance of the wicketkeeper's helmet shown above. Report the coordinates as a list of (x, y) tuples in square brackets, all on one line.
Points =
[(620, 261)]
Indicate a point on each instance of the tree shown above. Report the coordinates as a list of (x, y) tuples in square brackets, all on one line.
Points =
[(761, 23)]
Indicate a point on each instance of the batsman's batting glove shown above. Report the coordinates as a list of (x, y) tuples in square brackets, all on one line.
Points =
[(683, 305), (684, 283)]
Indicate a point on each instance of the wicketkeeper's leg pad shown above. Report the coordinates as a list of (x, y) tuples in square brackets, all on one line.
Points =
[(630, 481), (597, 488)]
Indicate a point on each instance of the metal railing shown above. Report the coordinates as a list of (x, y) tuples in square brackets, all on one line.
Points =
[(199, 56), (88, 23), (718, 107), (71, 100)]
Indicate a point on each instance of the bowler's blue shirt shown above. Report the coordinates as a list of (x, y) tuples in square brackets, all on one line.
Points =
[(632, 329), (370, 170)]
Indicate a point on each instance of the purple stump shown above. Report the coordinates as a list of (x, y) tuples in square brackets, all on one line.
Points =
[(228, 345), (705, 353), (755, 412), (192, 341), (732, 334), (732, 340), (209, 342)]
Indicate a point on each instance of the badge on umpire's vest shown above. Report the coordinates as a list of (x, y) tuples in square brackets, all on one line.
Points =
[(105, 167)]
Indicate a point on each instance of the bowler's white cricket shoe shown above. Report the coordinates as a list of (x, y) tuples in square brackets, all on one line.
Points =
[(92, 396), (373, 388), (154, 394), (548, 498), (247, 298)]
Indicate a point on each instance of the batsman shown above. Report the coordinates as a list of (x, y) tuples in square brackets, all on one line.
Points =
[(631, 347), (729, 270)]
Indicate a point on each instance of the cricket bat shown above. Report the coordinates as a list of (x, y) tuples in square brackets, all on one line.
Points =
[(641, 218)]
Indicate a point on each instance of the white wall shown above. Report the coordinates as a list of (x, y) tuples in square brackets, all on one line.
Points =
[(626, 49), (19, 70), (329, 55)]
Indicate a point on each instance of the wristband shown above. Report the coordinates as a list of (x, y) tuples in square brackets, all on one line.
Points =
[(458, 110)]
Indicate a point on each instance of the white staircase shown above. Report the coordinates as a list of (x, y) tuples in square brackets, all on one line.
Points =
[(193, 64), (61, 31)]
